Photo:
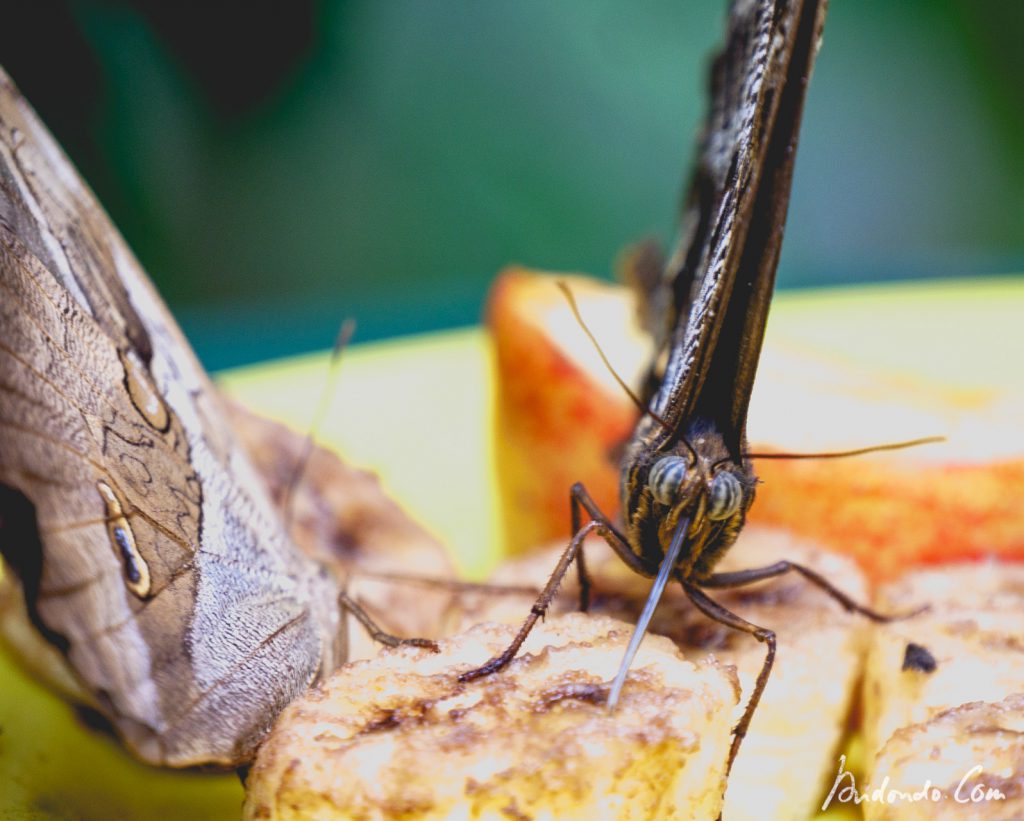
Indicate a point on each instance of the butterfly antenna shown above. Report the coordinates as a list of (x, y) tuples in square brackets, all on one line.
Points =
[(345, 334), (597, 346), (452, 585), (841, 454), (668, 564)]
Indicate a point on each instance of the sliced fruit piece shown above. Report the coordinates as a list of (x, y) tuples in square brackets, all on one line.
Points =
[(559, 415), (400, 736), (964, 763), (790, 748), (819, 388), (966, 647), (955, 500)]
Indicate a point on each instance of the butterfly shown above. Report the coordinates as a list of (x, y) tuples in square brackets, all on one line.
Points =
[(147, 549), (686, 478)]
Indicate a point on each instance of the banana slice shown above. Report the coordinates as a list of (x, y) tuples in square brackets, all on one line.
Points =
[(789, 754), (966, 647), (400, 736), (966, 762), (934, 691)]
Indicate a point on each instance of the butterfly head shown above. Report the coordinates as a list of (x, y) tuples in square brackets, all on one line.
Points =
[(696, 481), (680, 480)]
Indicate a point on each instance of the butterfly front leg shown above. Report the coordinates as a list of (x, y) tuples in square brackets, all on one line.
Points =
[(599, 523), (579, 501), (716, 612), (741, 578)]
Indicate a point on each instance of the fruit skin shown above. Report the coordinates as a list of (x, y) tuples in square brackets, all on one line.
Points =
[(959, 500), (558, 419), (892, 514)]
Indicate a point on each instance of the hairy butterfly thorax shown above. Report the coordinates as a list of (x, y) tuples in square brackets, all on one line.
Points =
[(696, 480)]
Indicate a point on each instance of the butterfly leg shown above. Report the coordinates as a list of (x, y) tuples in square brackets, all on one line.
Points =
[(539, 607), (596, 525), (740, 578), (375, 633), (716, 612), (579, 501), (578, 497), (455, 586)]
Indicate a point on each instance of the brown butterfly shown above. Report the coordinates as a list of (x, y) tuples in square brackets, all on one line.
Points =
[(147, 549), (686, 477)]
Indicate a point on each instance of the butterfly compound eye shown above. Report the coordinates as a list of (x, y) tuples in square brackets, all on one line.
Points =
[(666, 477), (724, 496)]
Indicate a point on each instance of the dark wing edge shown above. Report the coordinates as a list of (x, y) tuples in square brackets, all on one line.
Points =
[(725, 395), (722, 273)]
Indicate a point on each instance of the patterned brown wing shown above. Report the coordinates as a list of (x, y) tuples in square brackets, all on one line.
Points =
[(146, 547)]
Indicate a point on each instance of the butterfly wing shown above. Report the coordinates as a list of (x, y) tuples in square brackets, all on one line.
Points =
[(148, 551), (719, 282)]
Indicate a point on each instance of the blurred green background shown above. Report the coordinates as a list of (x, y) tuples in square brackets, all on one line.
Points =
[(280, 166)]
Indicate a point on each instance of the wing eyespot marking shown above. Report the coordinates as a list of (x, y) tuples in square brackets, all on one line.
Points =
[(122, 540)]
